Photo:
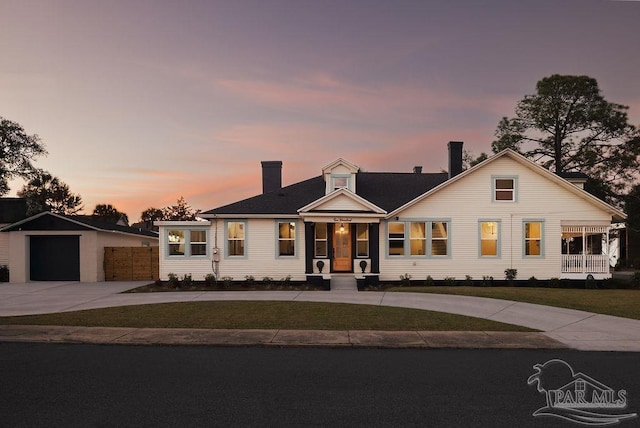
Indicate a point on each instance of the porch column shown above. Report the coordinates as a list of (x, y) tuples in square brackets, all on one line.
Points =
[(309, 246), (374, 247), (584, 249)]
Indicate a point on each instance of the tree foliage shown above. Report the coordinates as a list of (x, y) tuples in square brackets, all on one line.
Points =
[(45, 192), (109, 214), (569, 126), (17, 151), (181, 211)]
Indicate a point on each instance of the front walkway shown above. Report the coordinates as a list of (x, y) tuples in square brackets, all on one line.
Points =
[(576, 329)]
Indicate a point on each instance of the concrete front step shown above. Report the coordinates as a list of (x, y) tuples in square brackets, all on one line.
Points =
[(344, 282)]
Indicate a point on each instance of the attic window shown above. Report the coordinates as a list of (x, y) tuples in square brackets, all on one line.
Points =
[(504, 189)]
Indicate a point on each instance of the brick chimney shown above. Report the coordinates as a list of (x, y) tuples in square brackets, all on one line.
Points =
[(417, 169), (455, 158), (271, 176)]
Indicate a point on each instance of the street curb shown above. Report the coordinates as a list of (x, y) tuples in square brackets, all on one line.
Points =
[(279, 338)]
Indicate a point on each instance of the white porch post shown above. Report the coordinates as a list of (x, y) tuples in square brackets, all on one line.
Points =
[(584, 249)]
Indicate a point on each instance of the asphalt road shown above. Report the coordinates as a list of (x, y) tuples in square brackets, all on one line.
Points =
[(65, 385)]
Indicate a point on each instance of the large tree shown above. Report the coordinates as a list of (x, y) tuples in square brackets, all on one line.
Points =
[(109, 214), (567, 125), (17, 151), (45, 192)]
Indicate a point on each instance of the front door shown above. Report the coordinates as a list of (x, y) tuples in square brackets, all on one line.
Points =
[(342, 248)]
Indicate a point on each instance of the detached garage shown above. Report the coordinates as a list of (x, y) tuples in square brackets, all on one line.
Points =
[(53, 247)]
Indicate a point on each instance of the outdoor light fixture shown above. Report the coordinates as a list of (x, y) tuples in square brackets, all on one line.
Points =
[(341, 228)]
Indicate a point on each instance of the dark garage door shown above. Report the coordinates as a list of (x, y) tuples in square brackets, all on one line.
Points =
[(54, 258)]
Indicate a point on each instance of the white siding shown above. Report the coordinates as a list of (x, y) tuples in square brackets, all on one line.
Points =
[(342, 203), (260, 260), (4, 247), (468, 200)]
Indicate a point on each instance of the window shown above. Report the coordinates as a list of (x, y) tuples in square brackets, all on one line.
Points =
[(286, 238), (187, 242), (198, 242), (176, 241), (362, 240), (236, 238), (321, 239), (504, 189), (340, 181), (533, 238), (396, 239), (489, 231), (418, 239), (439, 238), (426, 238)]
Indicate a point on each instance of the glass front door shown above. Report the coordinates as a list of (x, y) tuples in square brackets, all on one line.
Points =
[(342, 248)]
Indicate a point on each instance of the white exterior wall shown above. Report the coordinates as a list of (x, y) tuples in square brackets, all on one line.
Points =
[(469, 200), (92, 245), (4, 247), (260, 259)]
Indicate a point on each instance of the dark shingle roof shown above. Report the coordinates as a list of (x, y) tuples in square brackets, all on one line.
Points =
[(48, 221), (384, 189)]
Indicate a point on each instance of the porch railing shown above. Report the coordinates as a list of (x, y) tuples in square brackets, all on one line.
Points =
[(585, 263)]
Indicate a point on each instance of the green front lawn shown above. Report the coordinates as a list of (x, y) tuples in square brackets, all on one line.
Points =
[(621, 303), (266, 315)]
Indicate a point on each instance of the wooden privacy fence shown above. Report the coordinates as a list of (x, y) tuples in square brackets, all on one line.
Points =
[(131, 263)]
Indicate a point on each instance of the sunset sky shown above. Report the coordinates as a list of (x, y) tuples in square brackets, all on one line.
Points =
[(141, 102)]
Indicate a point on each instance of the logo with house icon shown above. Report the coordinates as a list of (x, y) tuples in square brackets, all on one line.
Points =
[(577, 397)]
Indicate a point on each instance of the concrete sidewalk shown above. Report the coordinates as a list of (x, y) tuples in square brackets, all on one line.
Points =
[(574, 329)]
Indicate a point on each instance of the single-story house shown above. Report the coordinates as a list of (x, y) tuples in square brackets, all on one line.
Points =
[(504, 213), (54, 247)]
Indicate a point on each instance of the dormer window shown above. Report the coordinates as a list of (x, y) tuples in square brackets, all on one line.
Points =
[(340, 182)]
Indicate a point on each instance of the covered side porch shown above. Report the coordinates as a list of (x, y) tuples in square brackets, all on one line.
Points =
[(585, 251)]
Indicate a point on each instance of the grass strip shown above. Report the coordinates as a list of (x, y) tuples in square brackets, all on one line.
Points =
[(266, 315), (621, 303)]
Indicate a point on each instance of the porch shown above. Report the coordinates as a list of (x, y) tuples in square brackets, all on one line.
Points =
[(584, 252)]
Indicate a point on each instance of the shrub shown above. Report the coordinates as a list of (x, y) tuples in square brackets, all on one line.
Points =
[(554, 283), (510, 274), (450, 281), (286, 281), (405, 279), (487, 281), (468, 280), (267, 281), (249, 280), (187, 281), (533, 282), (4, 273), (227, 281), (590, 283), (429, 281), (174, 281), (210, 279)]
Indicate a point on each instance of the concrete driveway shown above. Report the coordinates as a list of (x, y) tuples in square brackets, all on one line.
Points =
[(577, 329)]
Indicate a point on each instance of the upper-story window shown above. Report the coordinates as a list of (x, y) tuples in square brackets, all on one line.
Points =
[(505, 189), (340, 182)]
